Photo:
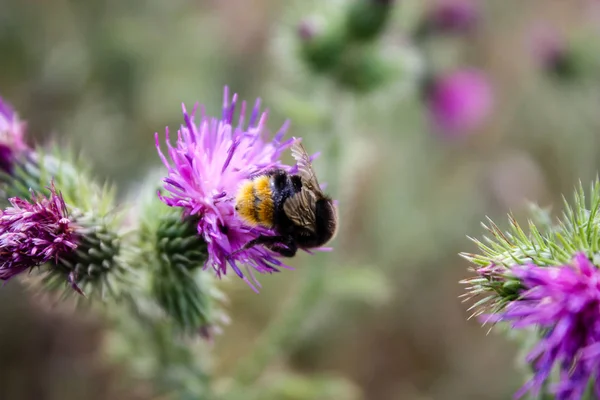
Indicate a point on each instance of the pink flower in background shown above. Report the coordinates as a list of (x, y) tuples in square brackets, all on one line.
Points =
[(459, 102)]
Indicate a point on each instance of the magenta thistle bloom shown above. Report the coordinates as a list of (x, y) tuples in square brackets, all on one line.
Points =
[(33, 233), (564, 303), (210, 160), (460, 102), (12, 132), (453, 16)]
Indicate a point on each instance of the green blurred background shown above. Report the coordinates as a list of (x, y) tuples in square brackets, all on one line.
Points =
[(385, 322)]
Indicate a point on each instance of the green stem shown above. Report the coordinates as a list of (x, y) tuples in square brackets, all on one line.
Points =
[(280, 334)]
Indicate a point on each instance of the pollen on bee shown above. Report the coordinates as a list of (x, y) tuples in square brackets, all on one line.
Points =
[(244, 203), (265, 206), (254, 203)]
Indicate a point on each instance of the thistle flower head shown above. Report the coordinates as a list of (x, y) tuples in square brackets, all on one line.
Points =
[(545, 279), (12, 132), (459, 102), (552, 52), (210, 160), (74, 233), (564, 303), (547, 45), (34, 232)]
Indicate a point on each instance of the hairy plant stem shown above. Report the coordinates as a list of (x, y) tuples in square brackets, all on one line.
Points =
[(279, 335)]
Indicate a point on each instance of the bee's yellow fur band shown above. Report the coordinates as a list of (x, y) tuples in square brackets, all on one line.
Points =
[(254, 202)]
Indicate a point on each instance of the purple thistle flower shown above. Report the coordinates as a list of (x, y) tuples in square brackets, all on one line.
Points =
[(12, 132), (212, 157), (564, 303), (450, 16), (307, 29), (34, 232), (455, 15), (551, 52), (548, 46), (460, 102)]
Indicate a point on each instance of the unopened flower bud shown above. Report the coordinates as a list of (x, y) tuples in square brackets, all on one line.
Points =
[(367, 19), (321, 45)]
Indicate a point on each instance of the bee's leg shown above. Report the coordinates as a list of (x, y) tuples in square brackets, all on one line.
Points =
[(286, 249), (279, 244)]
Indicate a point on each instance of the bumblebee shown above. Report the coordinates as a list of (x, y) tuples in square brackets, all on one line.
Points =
[(292, 205)]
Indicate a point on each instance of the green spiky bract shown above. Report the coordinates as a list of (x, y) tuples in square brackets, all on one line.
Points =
[(174, 255), (180, 254), (544, 244), (95, 266)]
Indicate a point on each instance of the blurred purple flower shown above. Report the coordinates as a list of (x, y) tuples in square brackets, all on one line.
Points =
[(211, 159), (34, 232), (12, 132), (564, 303), (551, 51), (547, 45), (452, 16), (459, 102), (307, 29)]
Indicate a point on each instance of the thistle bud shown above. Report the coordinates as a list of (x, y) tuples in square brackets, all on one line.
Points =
[(365, 69), (366, 19), (174, 253), (176, 280), (321, 45), (95, 266)]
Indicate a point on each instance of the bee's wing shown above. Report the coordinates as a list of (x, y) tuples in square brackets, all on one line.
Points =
[(309, 179), (300, 209)]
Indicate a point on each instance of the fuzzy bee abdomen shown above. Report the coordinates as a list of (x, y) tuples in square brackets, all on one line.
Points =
[(254, 202)]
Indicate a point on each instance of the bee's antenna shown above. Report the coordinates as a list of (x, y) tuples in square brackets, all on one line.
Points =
[(222, 200)]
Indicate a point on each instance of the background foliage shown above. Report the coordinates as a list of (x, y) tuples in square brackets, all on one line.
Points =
[(383, 320)]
